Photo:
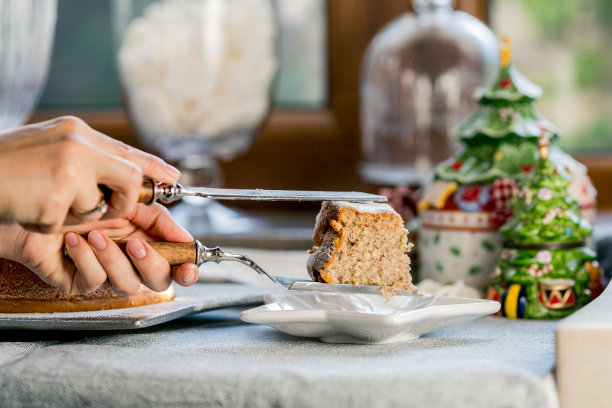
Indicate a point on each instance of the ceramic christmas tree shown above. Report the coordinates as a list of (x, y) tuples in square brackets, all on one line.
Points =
[(501, 137), (470, 197), (545, 269)]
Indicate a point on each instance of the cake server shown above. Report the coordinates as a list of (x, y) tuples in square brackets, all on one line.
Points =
[(168, 193), (177, 253)]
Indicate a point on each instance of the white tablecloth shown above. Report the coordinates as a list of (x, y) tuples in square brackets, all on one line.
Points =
[(213, 359)]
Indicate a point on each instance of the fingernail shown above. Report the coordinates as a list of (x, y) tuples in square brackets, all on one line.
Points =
[(136, 249), (189, 277), (96, 240), (186, 232), (71, 239), (173, 170)]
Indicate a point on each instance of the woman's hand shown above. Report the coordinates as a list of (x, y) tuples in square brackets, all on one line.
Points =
[(94, 258), (51, 172)]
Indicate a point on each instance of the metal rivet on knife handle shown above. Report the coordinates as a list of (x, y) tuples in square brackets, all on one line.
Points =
[(147, 191)]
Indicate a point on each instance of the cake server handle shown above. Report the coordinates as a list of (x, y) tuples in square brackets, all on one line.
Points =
[(178, 253)]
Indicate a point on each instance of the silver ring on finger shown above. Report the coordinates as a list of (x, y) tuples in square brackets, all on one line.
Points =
[(101, 208)]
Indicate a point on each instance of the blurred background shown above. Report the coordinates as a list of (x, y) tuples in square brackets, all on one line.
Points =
[(311, 138)]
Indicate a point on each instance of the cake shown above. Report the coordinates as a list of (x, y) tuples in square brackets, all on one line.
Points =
[(361, 244), (22, 291)]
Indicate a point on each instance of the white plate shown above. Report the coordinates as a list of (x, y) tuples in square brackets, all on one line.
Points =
[(365, 319)]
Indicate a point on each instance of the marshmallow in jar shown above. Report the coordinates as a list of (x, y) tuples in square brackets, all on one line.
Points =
[(198, 68)]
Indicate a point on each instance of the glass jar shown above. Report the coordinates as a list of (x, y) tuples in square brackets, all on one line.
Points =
[(196, 77), (28, 29), (417, 82)]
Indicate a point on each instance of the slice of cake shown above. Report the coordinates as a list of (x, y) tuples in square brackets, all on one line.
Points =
[(361, 244), (22, 291)]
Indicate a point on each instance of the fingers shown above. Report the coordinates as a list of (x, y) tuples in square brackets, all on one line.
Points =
[(89, 274), (52, 183), (153, 268), (87, 207), (124, 179), (116, 265), (186, 274), (157, 222), (149, 164), (125, 166), (81, 169), (99, 258)]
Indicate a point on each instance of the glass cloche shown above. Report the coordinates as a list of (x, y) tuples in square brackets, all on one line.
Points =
[(417, 82)]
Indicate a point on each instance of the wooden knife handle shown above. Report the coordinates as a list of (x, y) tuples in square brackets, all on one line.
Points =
[(176, 253)]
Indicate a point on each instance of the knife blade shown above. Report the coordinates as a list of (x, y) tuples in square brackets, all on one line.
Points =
[(167, 193)]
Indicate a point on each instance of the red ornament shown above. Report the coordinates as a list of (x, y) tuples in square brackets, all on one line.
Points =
[(527, 168), (502, 190), (597, 288), (490, 206), (450, 203), (470, 193), (505, 83), (456, 165), (493, 294)]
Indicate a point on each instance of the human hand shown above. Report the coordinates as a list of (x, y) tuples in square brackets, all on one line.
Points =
[(51, 172), (96, 258)]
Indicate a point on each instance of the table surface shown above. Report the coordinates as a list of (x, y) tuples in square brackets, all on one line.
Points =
[(214, 359)]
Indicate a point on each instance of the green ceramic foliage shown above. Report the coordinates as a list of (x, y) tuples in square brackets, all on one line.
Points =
[(500, 138), (488, 245), (545, 212), (475, 270)]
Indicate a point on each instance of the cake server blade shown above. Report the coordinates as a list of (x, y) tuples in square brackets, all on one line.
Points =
[(297, 284), (309, 285), (168, 193)]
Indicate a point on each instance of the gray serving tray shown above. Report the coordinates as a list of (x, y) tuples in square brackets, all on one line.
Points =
[(197, 298)]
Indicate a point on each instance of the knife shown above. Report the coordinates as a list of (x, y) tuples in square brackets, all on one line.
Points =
[(177, 253), (153, 191)]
